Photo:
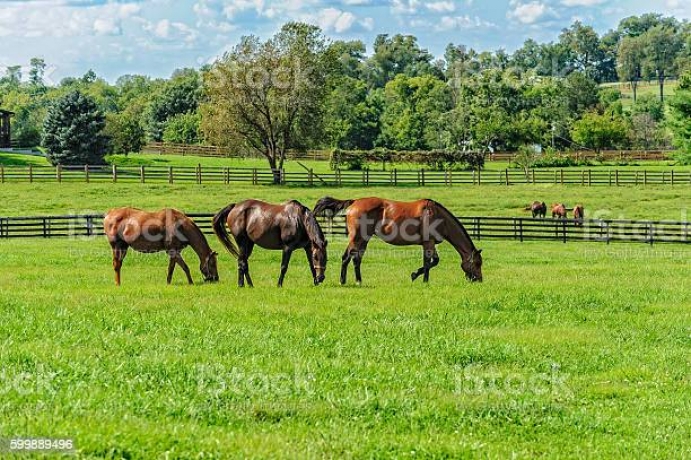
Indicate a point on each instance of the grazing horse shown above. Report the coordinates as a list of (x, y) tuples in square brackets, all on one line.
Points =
[(424, 222), (167, 230), (559, 210), (539, 209), (578, 215), (284, 227)]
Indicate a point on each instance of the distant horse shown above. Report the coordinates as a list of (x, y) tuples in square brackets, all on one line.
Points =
[(539, 209), (558, 210), (424, 222), (284, 227), (167, 230), (578, 215)]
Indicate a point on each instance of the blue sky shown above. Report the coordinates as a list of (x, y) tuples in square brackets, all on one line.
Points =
[(154, 37)]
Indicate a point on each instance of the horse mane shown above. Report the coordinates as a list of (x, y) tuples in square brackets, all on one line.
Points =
[(312, 227), (450, 215)]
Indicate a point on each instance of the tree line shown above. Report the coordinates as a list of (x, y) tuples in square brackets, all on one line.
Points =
[(299, 90)]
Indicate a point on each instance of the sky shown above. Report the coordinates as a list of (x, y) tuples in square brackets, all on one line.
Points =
[(155, 37)]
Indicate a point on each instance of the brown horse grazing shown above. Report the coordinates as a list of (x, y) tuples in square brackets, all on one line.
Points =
[(424, 222), (166, 230), (578, 215), (558, 210), (285, 227), (539, 209)]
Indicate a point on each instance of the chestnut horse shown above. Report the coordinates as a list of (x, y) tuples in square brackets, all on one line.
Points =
[(558, 210), (424, 222), (167, 230), (285, 227), (578, 215), (538, 209)]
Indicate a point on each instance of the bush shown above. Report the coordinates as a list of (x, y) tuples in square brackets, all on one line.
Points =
[(73, 131), (433, 159), (183, 129), (125, 132)]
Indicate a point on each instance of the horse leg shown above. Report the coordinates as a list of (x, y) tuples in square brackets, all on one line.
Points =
[(119, 253), (184, 267), (347, 257), (358, 254), (430, 259), (171, 266), (287, 253), (249, 246)]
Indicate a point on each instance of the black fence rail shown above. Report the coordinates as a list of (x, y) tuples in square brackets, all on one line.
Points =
[(420, 178), (480, 228)]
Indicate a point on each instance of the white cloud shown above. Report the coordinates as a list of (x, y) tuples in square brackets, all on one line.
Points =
[(57, 18), (462, 22), (527, 13), (441, 7), (582, 2), (332, 19), (405, 6)]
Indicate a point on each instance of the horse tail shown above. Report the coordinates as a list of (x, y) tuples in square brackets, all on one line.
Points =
[(219, 225), (331, 204)]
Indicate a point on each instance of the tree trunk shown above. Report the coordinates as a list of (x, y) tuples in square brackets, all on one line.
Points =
[(661, 81), (634, 87), (275, 171)]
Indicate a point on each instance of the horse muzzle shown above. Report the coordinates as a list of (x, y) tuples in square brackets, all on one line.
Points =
[(319, 280)]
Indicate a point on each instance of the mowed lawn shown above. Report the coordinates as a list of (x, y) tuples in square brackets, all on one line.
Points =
[(566, 350)]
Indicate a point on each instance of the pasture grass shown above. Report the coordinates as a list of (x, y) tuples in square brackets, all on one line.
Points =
[(626, 202), (564, 351)]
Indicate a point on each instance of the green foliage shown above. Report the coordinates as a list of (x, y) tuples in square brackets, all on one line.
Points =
[(73, 131), (180, 95), (183, 129), (680, 123), (434, 159), (600, 132), (126, 133)]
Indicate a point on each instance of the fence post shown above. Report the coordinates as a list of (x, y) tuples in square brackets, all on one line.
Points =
[(45, 227), (170, 174), (86, 173), (616, 175), (645, 177), (58, 172), (310, 177), (561, 176), (651, 232), (115, 173), (142, 174), (610, 177), (422, 176), (672, 176), (2, 174), (31, 173), (533, 181), (506, 171)]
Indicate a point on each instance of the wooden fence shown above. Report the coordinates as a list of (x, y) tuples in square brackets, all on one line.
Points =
[(325, 155), (503, 228), (395, 177)]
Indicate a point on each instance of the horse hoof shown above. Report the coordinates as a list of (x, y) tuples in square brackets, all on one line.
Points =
[(413, 276)]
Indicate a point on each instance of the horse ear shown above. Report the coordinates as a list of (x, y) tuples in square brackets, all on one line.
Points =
[(480, 251)]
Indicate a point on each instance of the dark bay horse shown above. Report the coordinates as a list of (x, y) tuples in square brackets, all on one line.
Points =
[(578, 215), (167, 230), (285, 227), (539, 209), (558, 210), (425, 223)]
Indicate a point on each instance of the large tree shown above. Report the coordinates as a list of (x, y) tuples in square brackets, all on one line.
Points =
[(630, 61), (269, 96), (662, 47), (584, 44), (73, 131), (680, 108)]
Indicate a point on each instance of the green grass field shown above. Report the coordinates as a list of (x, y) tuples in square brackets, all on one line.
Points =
[(566, 350)]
